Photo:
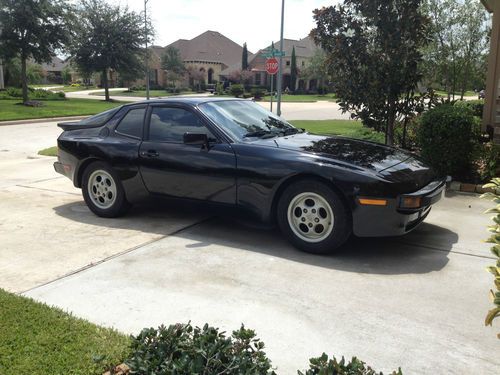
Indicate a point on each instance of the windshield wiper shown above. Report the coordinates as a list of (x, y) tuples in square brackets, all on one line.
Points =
[(290, 131), (260, 134)]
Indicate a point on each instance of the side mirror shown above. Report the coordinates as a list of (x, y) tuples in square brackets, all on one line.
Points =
[(196, 139)]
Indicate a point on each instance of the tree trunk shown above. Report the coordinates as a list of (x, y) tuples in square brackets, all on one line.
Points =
[(106, 84), (2, 85), (24, 79), (389, 130)]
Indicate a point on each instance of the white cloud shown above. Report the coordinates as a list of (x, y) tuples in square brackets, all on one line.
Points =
[(256, 22)]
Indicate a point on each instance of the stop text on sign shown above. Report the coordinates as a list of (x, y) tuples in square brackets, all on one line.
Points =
[(272, 66)]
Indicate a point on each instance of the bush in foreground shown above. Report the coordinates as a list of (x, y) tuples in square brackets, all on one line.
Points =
[(324, 366), (184, 349), (448, 136)]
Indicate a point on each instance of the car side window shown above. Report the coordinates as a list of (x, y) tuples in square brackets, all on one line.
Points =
[(169, 124), (132, 123)]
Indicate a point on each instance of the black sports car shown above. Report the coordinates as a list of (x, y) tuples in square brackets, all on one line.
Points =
[(319, 189)]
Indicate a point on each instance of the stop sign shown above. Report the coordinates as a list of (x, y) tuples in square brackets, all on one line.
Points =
[(272, 66)]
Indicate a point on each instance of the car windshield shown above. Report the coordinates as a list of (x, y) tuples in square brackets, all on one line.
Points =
[(244, 119), (99, 119)]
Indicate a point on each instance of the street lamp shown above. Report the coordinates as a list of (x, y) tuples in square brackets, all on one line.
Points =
[(146, 60), (280, 72)]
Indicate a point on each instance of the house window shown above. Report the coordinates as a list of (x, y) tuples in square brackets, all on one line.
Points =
[(288, 63), (303, 63), (258, 79)]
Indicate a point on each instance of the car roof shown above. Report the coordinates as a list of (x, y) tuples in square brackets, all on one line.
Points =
[(192, 100)]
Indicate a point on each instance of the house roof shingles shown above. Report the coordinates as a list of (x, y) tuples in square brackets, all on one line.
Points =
[(211, 46)]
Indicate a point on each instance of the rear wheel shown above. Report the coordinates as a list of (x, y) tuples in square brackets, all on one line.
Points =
[(102, 191), (313, 217)]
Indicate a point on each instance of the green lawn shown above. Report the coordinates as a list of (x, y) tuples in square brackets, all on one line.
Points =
[(51, 151), (142, 93), (77, 88), (38, 339), (467, 93), (11, 110), (67, 88), (303, 98), (347, 128)]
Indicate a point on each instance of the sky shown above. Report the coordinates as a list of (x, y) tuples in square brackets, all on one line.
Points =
[(256, 22)]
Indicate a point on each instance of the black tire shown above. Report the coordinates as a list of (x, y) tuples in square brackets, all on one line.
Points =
[(114, 203), (332, 236)]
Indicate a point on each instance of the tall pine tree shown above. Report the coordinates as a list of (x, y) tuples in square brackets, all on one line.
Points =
[(293, 70), (244, 57)]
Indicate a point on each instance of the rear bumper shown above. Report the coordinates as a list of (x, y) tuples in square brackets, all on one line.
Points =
[(391, 220), (63, 169)]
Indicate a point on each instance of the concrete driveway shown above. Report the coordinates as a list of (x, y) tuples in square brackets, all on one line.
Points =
[(417, 301)]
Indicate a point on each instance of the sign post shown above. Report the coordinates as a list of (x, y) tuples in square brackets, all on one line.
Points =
[(280, 74), (271, 69)]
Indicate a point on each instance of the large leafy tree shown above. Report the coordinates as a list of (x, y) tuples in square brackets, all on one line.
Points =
[(455, 58), (293, 70), (373, 54), (317, 68), (108, 37), (32, 29), (172, 63)]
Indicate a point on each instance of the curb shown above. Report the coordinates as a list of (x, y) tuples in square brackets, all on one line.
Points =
[(39, 120), (468, 188)]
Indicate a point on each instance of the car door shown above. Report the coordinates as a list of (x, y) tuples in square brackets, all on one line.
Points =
[(173, 168)]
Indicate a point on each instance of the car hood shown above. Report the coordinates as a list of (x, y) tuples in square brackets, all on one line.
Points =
[(362, 154), (391, 163)]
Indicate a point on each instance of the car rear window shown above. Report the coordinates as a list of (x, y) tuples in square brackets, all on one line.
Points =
[(132, 123), (101, 118)]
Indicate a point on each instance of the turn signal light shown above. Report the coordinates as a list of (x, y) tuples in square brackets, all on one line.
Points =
[(373, 202), (411, 202)]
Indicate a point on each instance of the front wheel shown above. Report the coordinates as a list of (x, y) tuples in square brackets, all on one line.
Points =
[(313, 217), (103, 191)]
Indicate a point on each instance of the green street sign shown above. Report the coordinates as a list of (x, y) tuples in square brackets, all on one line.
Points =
[(273, 52)]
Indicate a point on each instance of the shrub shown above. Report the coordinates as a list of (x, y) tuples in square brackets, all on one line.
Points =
[(219, 88), (184, 349), (489, 161), (495, 249), (236, 90), (41, 94), (408, 139), (137, 88), (475, 105), (258, 93), (324, 366), (323, 90), (37, 94), (448, 136), (14, 92)]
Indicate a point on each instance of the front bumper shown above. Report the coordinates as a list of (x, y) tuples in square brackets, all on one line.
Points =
[(391, 219)]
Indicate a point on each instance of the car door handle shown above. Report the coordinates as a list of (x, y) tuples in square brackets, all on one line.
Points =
[(150, 154)]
